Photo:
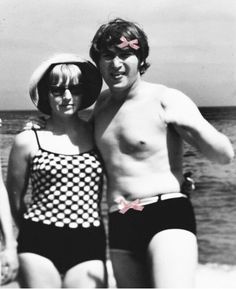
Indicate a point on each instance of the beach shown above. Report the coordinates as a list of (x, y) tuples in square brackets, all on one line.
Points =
[(216, 276), (208, 276), (214, 199), (192, 49)]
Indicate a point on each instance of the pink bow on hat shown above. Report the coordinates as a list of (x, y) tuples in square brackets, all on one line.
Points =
[(124, 205), (132, 43)]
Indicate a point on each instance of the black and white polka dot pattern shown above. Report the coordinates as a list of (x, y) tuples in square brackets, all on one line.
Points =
[(66, 189)]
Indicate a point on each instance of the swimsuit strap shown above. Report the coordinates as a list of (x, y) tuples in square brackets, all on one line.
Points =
[(37, 138)]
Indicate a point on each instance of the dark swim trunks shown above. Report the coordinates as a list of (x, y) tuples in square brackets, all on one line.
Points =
[(65, 247), (134, 230)]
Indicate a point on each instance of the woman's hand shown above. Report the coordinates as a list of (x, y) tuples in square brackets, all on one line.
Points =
[(9, 264)]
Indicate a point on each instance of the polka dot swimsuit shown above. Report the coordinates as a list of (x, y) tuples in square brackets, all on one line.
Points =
[(66, 189)]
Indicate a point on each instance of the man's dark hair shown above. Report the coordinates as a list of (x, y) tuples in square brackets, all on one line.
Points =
[(108, 36)]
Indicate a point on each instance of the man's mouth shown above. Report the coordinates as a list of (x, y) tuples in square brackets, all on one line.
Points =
[(117, 75)]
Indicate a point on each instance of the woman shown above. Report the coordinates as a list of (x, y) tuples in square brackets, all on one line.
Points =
[(8, 257), (61, 235)]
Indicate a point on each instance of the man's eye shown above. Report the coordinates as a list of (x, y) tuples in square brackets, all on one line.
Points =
[(125, 55), (108, 56)]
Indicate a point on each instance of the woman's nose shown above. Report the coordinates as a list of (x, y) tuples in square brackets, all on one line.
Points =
[(67, 94)]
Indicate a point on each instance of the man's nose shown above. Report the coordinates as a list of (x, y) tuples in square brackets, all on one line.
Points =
[(116, 62)]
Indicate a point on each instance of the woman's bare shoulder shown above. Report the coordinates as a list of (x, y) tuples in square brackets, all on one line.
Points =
[(25, 140)]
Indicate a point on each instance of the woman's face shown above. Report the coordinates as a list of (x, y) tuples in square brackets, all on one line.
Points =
[(65, 99), (65, 92)]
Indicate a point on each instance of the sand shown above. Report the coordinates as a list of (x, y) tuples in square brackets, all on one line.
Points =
[(216, 276), (208, 276)]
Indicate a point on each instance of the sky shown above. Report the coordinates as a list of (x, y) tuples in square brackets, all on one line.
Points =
[(192, 42)]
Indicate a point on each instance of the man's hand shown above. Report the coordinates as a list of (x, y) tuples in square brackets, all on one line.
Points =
[(35, 123), (188, 185)]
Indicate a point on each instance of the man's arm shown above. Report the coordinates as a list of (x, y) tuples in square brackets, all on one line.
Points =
[(183, 114)]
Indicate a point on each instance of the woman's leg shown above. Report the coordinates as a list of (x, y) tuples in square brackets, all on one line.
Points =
[(173, 258), (38, 271), (89, 274)]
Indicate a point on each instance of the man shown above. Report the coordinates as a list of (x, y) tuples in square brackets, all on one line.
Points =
[(139, 129)]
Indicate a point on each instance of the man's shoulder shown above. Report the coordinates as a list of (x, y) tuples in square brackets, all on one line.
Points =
[(175, 96), (162, 92), (104, 94), (153, 86), (103, 98), (175, 100), (158, 90)]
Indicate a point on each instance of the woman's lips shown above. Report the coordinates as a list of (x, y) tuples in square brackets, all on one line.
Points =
[(67, 105)]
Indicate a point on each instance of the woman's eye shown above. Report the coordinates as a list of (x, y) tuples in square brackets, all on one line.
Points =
[(57, 90), (75, 90)]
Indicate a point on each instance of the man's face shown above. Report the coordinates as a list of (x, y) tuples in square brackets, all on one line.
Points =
[(119, 68)]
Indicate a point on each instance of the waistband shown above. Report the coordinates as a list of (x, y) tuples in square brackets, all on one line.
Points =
[(147, 201)]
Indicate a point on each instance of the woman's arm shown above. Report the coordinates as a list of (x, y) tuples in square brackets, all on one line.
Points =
[(8, 257), (18, 172), (5, 216), (17, 181)]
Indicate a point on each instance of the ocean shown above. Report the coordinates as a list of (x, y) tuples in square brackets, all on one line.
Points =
[(214, 199)]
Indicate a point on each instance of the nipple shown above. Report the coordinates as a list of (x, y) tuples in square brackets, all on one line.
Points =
[(142, 142)]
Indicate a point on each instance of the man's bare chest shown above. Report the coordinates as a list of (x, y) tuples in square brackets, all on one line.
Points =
[(130, 129)]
